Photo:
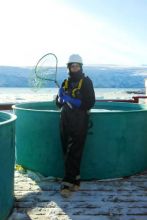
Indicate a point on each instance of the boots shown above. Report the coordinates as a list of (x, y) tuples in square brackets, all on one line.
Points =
[(65, 191), (76, 185)]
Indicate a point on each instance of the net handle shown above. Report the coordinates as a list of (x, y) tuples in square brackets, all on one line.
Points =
[(57, 84)]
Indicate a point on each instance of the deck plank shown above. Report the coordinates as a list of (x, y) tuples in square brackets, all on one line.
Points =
[(120, 199)]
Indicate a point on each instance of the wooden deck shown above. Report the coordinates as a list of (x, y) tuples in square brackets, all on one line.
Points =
[(120, 199)]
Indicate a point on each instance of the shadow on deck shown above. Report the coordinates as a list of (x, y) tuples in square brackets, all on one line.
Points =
[(118, 199)]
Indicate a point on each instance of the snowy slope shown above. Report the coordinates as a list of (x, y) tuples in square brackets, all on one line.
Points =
[(103, 76)]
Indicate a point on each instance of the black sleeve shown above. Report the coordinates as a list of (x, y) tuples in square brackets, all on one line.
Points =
[(88, 94), (56, 100)]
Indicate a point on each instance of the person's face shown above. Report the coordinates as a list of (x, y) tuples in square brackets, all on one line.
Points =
[(75, 67)]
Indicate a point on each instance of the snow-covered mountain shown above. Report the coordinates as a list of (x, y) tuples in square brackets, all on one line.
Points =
[(103, 76)]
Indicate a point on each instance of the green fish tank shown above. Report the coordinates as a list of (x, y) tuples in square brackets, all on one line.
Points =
[(115, 146), (7, 160)]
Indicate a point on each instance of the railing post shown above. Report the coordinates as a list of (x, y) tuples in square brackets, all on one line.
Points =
[(136, 99), (146, 90)]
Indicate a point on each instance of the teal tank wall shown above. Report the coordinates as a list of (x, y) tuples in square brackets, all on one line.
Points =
[(7, 159), (116, 144)]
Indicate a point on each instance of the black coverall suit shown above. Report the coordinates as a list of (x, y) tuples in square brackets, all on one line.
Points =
[(73, 128)]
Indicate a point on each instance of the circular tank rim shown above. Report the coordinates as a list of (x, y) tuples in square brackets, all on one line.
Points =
[(33, 110), (8, 116), (144, 107)]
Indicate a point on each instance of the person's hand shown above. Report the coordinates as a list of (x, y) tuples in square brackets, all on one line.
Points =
[(67, 98), (60, 92), (60, 100), (72, 101)]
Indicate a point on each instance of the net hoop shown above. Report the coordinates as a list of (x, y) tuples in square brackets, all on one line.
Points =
[(55, 67)]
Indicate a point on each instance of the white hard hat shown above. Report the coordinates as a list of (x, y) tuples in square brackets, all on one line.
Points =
[(75, 58)]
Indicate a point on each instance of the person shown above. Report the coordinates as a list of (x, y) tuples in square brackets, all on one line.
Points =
[(75, 98)]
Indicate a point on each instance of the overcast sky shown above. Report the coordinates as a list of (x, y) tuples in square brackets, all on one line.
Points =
[(101, 31)]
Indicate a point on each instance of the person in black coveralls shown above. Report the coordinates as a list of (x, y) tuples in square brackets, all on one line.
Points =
[(75, 98)]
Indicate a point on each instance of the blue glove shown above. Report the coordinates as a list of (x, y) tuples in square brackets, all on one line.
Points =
[(61, 92), (74, 102)]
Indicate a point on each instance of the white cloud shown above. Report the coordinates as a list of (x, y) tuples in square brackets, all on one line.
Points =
[(33, 28)]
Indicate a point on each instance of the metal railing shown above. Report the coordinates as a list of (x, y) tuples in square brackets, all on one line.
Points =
[(4, 106), (135, 99)]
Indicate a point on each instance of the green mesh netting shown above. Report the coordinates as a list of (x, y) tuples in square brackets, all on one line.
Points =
[(44, 71)]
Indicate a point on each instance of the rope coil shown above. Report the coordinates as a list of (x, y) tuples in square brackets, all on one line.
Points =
[(19, 167)]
